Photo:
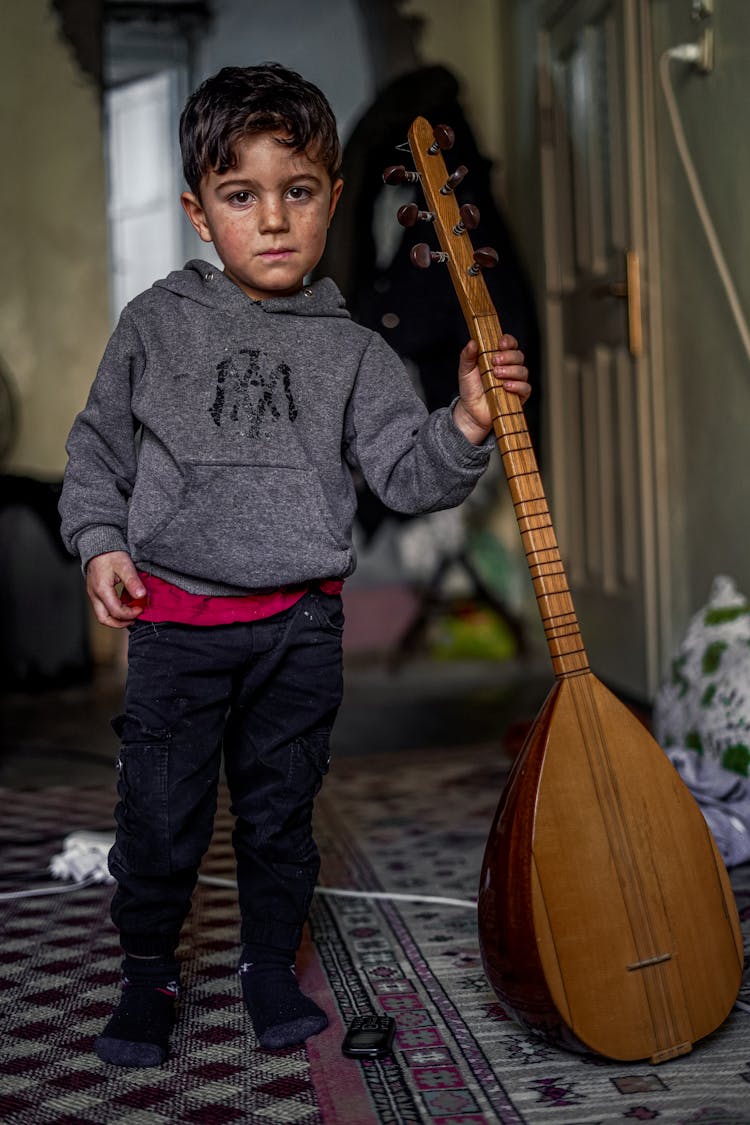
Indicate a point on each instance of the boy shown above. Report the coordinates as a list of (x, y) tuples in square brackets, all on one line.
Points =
[(210, 475)]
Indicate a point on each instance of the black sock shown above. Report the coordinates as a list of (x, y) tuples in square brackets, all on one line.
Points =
[(281, 1015), (138, 1032)]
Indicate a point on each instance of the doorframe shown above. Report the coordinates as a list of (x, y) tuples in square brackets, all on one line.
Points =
[(642, 185), (663, 581)]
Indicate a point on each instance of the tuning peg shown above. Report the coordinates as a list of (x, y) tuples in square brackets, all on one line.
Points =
[(484, 259), (397, 174), (454, 180), (444, 138), (469, 218), (422, 256), (410, 214)]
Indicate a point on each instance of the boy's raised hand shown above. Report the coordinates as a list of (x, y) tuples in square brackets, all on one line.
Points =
[(472, 413), (103, 575)]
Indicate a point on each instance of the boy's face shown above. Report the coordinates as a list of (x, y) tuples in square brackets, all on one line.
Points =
[(267, 217)]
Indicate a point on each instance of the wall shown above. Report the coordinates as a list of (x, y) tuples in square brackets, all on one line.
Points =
[(707, 369), (327, 46), (53, 286), (469, 44), (522, 180)]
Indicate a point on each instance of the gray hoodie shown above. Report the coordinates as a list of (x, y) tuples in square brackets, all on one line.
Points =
[(220, 435)]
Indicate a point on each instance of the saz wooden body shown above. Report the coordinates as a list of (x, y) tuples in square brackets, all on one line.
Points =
[(606, 918)]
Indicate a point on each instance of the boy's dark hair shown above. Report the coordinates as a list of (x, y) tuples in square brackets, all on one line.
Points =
[(241, 100)]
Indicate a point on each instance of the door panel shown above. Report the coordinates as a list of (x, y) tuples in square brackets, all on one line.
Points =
[(601, 426)]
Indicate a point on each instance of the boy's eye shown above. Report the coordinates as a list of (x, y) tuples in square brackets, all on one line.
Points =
[(240, 198), (299, 192)]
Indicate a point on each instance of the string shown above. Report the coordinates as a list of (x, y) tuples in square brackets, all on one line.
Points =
[(629, 875)]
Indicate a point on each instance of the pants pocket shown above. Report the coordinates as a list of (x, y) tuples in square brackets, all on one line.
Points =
[(142, 843), (329, 611)]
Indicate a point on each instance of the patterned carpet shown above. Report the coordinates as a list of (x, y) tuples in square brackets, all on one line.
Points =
[(412, 824)]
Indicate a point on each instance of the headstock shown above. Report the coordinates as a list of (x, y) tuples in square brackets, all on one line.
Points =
[(452, 222)]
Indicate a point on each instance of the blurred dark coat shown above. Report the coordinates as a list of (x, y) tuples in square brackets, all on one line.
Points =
[(415, 310)]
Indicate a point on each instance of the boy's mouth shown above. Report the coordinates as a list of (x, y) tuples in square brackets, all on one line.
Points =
[(278, 252)]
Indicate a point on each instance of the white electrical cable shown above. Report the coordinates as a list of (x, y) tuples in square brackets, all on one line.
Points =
[(689, 52), (217, 881), (84, 859), (388, 896), (35, 892)]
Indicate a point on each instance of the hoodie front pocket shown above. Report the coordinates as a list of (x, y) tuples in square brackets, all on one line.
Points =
[(251, 526)]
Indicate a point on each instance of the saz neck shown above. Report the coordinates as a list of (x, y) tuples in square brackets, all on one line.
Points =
[(540, 545), (509, 423)]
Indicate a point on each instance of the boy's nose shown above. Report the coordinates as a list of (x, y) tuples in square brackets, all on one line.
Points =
[(272, 215)]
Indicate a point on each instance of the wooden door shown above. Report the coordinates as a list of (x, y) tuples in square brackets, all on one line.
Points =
[(608, 493)]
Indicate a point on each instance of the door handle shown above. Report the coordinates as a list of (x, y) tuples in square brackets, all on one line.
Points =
[(610, 289), (630, 291), (635, 322)]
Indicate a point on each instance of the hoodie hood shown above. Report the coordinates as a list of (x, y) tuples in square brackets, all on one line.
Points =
[(205, 284)]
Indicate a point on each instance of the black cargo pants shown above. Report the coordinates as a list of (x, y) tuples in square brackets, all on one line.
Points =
[(267, 692)]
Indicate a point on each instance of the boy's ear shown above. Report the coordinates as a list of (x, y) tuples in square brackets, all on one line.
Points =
[(336, 189), (193, 208)]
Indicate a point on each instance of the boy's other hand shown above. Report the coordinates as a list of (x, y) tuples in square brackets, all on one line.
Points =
[(472, 412), (103, 574)]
